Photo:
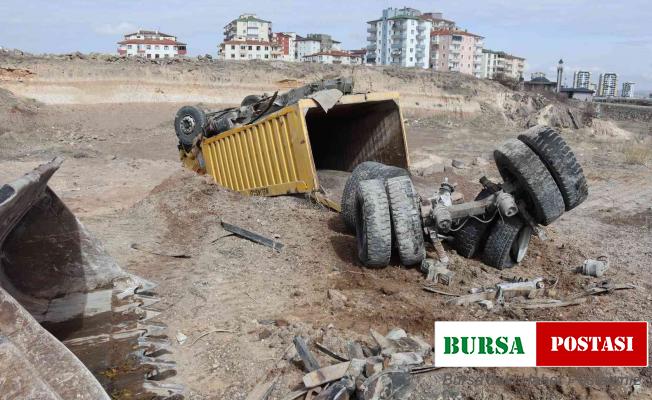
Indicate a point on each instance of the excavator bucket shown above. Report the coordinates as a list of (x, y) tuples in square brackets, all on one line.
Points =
[(73, 324)]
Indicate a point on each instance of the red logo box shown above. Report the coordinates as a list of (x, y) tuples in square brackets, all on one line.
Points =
[(592, 344)]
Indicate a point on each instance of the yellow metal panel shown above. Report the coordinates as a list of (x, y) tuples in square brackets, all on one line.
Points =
[(270, 157)]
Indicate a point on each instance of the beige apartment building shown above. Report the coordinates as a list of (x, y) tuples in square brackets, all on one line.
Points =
[(499, 62), (456, 50), (248, 27)]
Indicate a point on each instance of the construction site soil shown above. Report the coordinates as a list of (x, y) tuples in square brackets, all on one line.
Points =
[(240, 304)]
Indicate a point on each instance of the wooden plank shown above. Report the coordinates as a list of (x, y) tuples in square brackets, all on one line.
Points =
[(326, 374)]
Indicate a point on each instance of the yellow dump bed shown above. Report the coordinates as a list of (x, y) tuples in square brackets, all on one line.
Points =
[(282, 152)]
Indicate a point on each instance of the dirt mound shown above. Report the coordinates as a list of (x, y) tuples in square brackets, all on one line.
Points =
[(16, 112), (609, 130)]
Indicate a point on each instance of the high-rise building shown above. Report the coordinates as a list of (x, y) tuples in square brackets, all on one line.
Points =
[(248, 27), (628, 89), (247, 38), (456, 50), (400, 37), (607, 85), (582, 79), (500, 63)]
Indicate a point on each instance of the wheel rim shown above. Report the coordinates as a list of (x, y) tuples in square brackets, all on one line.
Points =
[(187, 125), (520, 245)]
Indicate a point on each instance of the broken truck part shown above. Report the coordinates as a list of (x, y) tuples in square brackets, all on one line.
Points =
[(498, 223), (281, 150), (67, 309), (273, 145)]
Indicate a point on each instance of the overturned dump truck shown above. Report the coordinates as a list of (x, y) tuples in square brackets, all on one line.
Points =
[(73, 324), (277, 144)]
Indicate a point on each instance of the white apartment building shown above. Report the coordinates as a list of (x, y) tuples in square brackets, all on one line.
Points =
[(499, 62), (248, 27), (245, 50), (582, 79), (607, 85), (400, 37), (306, 47), (628, 89), (151, 44), (333, 57)]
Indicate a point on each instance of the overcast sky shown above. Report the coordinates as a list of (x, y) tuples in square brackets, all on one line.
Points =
[(594, 35)]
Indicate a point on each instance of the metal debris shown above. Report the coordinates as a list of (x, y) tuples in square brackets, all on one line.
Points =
[(254, 237), (595, 268)]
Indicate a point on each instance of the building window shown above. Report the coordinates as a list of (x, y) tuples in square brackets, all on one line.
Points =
[(242, 55), (257, 47), (232, 55), (232, 47), (249, 47), (149, 56), (166, 47), (156, 55), (149, 47), (266, 55), (157, 47), (129, 46), (242, 47), (266, 47)]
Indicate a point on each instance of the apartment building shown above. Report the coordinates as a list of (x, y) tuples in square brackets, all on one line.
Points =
[(628, 89), (284, 46), (400, 37), (248, 27), (607, 85), (245, 50), (333, 57), (306, 47), (456, 50), (498, 62), (151, 44), (326, 42), (582, 79)]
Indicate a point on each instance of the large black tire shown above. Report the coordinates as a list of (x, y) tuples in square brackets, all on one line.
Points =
[(373, 224), (251, 99), (499, 250), (406, 220), (560, 161), (470, 238), (364, 171), (188, 123), (521, 167)]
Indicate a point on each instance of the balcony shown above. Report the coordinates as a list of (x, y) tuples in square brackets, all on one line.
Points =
[(372, 38), (399, 35), (421, 37), (397, 45), (372, 29), (421, 27)]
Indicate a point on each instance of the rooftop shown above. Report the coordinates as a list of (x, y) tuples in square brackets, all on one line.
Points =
[(502, 54), (147, 32), (454, 32), (152, 41), (247, 42)]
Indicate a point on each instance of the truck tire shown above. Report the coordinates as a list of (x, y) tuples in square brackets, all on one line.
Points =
[(406, 220), (521, 167), (188, 123), (364, 171), (373, 228), (560, 161), (507, 242), (471, 236)]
